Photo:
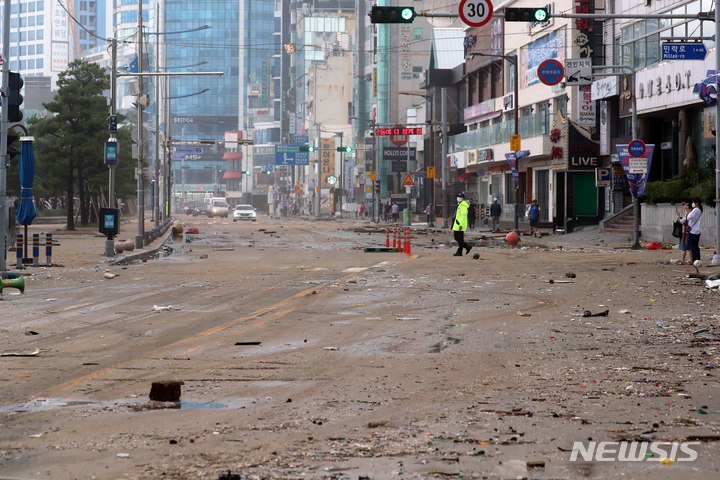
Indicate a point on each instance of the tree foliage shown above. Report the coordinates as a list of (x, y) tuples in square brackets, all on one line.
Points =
[(70, 143)]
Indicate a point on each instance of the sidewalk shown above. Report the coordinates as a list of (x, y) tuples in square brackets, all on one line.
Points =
[(82, 247)]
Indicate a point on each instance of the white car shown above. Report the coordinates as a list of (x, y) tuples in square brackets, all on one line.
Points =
[(244, 212), (218, 208)]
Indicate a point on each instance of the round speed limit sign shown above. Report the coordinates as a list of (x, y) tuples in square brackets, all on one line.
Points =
[(476, 13)]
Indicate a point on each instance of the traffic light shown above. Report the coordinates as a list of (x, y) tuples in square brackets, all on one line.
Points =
[(14, 99), (345, 149), (307, 148), (268, 169), (12, 149), (532, 14), (392, 14), (376, 186)]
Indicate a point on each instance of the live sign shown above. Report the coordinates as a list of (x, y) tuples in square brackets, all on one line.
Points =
[(475, 13)]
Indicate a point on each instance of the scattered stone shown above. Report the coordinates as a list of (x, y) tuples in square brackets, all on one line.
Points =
[(166, 391)]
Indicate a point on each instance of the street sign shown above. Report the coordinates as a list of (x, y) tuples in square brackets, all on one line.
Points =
[(111, 151), (177, 158), (291, 155), (636, 148), (373, 175), (475, 13), (514, 143), (430, 172), (398, 140), (408, 182), (189, 150), (684, 51), (550, 71), (578, 71)]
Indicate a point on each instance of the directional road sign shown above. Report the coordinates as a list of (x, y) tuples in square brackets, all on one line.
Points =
[(189, 150), (475, 13), (551, 71), (578, 71), (684, 51), (290, 155)]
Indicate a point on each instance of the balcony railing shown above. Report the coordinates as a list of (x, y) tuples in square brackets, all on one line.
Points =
[(533, 125)]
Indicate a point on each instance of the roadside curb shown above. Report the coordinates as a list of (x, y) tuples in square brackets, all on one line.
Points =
[(146, 252)]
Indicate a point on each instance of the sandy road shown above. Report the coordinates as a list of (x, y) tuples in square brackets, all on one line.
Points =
[(374, 365)]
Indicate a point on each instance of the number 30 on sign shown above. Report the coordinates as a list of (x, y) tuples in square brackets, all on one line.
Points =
[(475, 13)]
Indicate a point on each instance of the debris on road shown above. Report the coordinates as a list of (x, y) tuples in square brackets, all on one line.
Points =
[(165, 308), (34, 353)]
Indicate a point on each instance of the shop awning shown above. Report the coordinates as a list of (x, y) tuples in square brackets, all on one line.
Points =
[(232, 175), (464, 176)]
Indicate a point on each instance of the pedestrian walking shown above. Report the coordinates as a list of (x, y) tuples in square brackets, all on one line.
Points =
[(533, 215), (395, 209), (387, 212), (362, 210), (495, 213), (428, 214), (460, 225), (683, 241), (693, 221), (472, 215)]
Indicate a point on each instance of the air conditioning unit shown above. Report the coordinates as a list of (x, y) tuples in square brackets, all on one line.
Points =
[(508, 102)]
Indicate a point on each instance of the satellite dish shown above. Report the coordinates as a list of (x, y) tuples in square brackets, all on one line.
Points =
[(444, 7)]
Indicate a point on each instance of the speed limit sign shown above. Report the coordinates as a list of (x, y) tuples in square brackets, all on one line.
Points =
[(476, 13)]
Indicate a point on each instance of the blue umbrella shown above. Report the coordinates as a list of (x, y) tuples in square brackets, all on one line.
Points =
[(26, 210)]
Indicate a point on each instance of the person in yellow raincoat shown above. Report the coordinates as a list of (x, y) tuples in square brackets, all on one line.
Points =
[(460, 224)]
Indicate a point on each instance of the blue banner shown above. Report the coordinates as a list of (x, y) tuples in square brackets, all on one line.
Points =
[(636, 169)]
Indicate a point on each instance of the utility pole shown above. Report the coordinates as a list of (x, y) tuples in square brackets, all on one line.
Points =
[(109, 242), (140, 238), (3, 135), (444, 120), (716, 258), (156, 192)]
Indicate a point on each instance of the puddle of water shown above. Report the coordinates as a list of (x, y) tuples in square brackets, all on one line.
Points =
[(45, 404)]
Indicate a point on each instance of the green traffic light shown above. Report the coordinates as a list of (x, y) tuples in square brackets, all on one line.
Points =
[(541, 14), (527, 14), (407, 13)]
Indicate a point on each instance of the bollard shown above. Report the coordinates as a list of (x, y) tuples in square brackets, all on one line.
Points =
[(399, 242), (394, 245), (36, 249), (19, 251), (48, 249), (387, 237), (407, 241)]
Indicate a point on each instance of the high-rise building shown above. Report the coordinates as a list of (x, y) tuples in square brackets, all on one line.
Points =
[(46, 35)]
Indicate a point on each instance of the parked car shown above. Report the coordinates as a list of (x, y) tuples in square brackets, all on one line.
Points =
[(218, 208), (244, 212)]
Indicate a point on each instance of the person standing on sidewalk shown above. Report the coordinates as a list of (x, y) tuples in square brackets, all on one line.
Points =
[(460, 224), (472, 215), (693, 221), (495, 213), (534, 217)]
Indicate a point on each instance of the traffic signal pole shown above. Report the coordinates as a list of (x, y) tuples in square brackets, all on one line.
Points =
[(3, 136)]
